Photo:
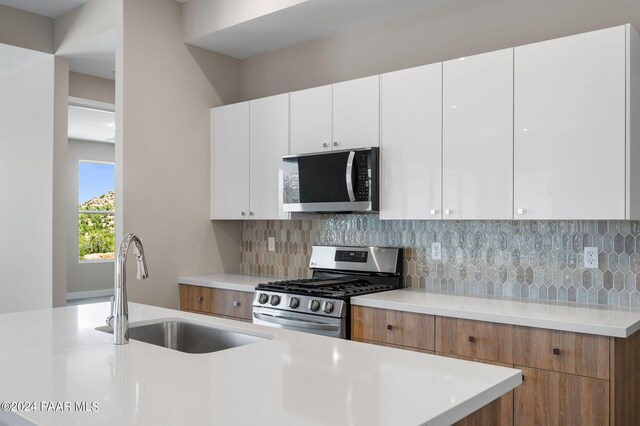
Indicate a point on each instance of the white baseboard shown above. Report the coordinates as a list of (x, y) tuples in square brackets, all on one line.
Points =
[(89, 294)]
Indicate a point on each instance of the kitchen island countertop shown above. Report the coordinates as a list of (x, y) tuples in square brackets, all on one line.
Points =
[(56, 356)]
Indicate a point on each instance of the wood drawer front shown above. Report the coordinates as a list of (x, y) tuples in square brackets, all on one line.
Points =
[(550, 398), (474, 339), (562, 351), (392, 327), (228, 303)]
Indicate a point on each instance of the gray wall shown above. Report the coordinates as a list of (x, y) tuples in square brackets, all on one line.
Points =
[(90, 87), (31, 276), (446, 30), (84, 276), (164, 91)]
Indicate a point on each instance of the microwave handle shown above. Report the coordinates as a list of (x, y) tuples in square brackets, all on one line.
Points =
[(349, 177)]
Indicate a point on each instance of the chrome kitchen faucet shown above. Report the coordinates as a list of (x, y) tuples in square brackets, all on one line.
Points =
[(119, 318)]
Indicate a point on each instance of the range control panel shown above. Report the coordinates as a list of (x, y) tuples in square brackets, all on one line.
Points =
[(351, 256)]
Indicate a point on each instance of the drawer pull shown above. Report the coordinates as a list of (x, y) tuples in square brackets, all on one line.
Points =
[(201, 299), (556, 351), (236, 303), (472, 339), (389, 327)]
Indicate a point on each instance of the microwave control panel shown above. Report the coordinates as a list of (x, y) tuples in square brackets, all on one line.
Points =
[(363, 184)]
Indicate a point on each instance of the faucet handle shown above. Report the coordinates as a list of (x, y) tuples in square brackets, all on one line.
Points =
[(110, 317)]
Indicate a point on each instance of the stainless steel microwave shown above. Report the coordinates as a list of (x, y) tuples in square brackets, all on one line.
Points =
[(335, 181)]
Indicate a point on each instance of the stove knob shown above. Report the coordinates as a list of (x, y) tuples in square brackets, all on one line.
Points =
[(275, 299), (263, 298), (314, 305), (294, 302), (328, 307)]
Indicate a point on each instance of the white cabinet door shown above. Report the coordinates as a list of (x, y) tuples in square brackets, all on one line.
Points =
[(478, 137), (230, 161), (356, 113), (269, 142), (311, 120), (569, 147), (411, 143)]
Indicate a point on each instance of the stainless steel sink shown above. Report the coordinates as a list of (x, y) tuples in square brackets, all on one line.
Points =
[(188, 337)]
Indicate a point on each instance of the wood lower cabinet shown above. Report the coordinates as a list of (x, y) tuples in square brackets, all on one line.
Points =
[(394, 328), (550, 398), (568, 378), (215, 301)]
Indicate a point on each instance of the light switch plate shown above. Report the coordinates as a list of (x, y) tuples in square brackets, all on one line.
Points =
[(271, 243)]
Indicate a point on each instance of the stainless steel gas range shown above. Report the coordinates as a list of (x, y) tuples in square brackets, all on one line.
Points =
[(320, 304)]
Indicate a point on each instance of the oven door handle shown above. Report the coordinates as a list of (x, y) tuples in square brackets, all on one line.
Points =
[(349, 176), (308, 325)]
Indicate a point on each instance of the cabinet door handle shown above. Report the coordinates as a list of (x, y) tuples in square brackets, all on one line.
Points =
[(236, 304), (521, 211), (433, 212), (448, 212), (243, 213), (251, 213), (201, 299), (556, 351), (325, 145), (472, 339), (389, 327), (336, 143)]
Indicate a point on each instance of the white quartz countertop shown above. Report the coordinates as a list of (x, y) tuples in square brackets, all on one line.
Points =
[(56, 356), (604, 321), (238, 282)]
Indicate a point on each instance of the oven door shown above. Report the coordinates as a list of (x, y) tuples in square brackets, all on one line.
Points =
[(331, 181), (316, 324)]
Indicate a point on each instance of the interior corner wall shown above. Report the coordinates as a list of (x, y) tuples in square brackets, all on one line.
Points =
[(84, 277), (26, 172), (59, 180), (84, 23), (25, 29), (162, 120), (445, 30), (91, 87)]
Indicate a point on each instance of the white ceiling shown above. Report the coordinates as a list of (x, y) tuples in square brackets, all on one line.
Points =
[(13, 58), (96, 56), (48, 8), (90, 124), (302, 22)]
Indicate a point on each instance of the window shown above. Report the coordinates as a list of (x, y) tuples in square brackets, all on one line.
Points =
[(96, 211)]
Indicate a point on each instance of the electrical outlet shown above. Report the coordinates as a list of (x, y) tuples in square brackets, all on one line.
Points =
[(591, 257), (271, 243), (436, 251)]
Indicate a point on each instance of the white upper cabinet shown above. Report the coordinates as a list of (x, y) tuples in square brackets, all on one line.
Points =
[(410, 144), (356, 113), (248, 141), (569, 144), (311, 120), (269, 142), (478, 137), (230, 161), (341, 116)]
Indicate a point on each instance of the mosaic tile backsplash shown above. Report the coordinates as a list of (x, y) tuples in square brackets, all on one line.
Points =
[(537, 260)]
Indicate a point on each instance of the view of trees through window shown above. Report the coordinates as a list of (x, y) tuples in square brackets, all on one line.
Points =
[(96, 211)]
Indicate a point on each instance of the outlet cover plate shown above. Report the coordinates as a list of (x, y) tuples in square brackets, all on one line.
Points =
[(436, 251), (271, 243), (591, 257)]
